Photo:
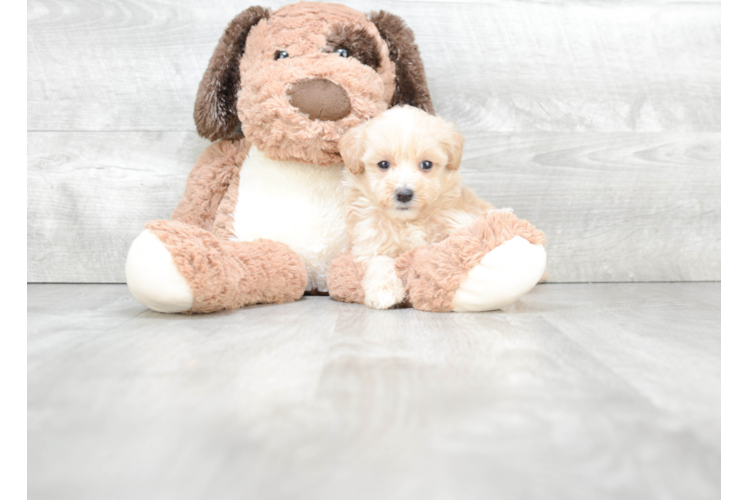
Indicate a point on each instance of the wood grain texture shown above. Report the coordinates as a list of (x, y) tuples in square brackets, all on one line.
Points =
[(89, 195), (615, 207), (575, 392), (597, 121), (564, 66)]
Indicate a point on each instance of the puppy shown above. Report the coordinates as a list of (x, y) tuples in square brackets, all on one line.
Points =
[(403, 191)]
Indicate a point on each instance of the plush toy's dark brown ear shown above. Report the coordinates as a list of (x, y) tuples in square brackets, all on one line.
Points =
[(215, 106), (410, 76)]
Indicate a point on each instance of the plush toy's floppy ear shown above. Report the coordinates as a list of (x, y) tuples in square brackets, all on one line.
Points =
[(215, 107), (454, 144), (352, 149), (410, 76)]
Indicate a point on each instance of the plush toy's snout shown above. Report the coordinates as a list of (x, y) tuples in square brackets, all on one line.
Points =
[(319, 98)]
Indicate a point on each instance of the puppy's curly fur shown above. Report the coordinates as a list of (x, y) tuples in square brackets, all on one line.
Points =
[(403, 191)]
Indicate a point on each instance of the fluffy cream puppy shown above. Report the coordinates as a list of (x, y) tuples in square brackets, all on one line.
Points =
[(403, 191)]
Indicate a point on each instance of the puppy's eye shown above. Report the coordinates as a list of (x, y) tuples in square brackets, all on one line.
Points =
[(342, 52), (281, 54), (426, 165), (384, 165)]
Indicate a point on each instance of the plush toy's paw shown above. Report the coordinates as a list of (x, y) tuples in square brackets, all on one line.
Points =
[(383, 288), (344, 279), (501, 277), (481, 267), (177, 267), (152, 276)]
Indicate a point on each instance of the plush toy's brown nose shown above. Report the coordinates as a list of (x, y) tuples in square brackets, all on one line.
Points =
[(319, 98)]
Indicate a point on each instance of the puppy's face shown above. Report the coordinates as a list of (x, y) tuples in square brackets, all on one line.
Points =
[(404, 160)]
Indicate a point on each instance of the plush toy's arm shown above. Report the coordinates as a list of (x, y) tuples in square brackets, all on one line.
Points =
[(208, 182)]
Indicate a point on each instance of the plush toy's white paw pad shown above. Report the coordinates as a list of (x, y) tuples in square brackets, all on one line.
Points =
[(152, 276), (501, 277)]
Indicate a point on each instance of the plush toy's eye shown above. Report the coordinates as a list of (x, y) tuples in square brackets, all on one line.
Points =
[(281, 54), (426, 165), (384, 165), (342, 52)]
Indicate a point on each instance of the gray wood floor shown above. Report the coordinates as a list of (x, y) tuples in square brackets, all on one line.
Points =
[(579, 391)]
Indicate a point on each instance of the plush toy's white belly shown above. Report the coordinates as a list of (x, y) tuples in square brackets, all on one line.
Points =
[(298, 204)]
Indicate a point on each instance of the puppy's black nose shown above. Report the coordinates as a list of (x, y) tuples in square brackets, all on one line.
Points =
[(404, 195)]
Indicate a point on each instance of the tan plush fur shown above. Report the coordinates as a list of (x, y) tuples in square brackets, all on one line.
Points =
[(433, 274), (215, 169), (421, 248), (345, 277), (269, 120), (252, 272)]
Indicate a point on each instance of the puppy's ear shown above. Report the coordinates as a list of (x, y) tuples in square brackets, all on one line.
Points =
[(352, 149), (215, 106), (454, 144), (410, 77)]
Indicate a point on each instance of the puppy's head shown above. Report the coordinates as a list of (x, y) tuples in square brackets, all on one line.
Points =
[(404, 160), (293, 81)]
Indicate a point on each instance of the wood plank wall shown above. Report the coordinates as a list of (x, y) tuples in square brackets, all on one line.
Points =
[(598, 121)]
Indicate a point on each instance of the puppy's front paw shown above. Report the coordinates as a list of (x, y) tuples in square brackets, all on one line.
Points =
[(382, 287), (385, 297)]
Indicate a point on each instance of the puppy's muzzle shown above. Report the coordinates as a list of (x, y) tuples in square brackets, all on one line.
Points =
[(320, 99)]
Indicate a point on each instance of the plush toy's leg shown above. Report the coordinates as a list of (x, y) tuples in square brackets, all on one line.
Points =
[(485, 266), (344, 277), (177, 267)]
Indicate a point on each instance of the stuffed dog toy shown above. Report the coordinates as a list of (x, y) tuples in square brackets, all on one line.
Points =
[(263, 212), (416, 233), (262, 215)]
